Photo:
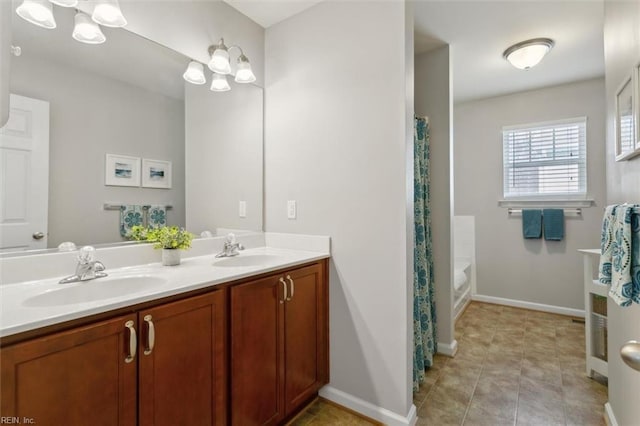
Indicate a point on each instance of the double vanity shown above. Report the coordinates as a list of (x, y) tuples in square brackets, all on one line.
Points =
[(237, 340)]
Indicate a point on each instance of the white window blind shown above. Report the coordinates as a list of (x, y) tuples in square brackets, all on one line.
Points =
[(545, 159)]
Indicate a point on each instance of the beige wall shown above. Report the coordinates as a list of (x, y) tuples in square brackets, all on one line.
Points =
[(337, 131), (509, 266), (622, 53), (433, 99)]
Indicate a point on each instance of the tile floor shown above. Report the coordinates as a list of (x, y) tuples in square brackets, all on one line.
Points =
[(513, 367)]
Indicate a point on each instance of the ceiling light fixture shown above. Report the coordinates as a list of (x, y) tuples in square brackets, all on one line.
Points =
[(108, 13), (221, 67), (528, 53), (87, 31), (38, 12)]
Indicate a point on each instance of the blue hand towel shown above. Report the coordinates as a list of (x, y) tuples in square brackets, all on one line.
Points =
[(553, 224), (157, 216), (532, 223), (130, 216)]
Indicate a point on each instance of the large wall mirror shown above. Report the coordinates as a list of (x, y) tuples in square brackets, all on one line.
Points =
[(124, 97)]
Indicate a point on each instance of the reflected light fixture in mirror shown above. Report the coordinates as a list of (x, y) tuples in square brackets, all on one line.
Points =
[(87, 31), (195, 73), (108, 13), (528, 53), (219, 83), (221, 67), (37, 12)]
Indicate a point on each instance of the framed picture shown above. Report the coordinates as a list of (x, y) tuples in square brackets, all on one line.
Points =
[(625, 120), (122, 170), (156, 173)]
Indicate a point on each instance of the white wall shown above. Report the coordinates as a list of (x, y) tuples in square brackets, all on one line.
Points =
[(337, 132), (434, 100), (126, 120), (223, 144), (509, 266), (622, 52), (5, 59)]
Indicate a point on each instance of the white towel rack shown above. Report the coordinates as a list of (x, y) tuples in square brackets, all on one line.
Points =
[(568, 212)]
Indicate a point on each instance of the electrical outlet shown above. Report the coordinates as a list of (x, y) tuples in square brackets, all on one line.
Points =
[(291, 209), (242, 207)]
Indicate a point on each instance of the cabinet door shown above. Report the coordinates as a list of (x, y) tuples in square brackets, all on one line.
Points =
[(76, 377), (305, 335), (182, 378), (257, 358)]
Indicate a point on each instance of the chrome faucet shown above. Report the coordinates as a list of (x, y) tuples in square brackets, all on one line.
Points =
[(87, 268), (230, 247)]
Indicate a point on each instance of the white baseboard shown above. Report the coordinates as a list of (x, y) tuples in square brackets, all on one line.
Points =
[(448, 349), (529, 305), (609, 416), (369, 410)]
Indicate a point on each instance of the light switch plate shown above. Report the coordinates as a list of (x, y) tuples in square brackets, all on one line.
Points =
[(242, 209), (291, 209)]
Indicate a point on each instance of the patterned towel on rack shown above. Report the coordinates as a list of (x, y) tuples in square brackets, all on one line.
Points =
[(620, 253), (130, 216), (157, 216)]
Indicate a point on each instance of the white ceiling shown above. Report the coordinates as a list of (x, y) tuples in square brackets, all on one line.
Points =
[(478, 32), (270, 12)]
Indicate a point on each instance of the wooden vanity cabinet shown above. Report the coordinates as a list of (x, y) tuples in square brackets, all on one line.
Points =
[(279, 344), (72, 378), (87, 375)]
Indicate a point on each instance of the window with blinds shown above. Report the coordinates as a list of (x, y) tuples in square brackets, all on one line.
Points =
[(545, 159)]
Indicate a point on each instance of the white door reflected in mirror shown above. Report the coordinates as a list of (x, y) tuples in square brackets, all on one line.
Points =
[(24, 175)]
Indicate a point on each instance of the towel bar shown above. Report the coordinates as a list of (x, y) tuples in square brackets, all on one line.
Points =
[(568, 212), (107, 206)]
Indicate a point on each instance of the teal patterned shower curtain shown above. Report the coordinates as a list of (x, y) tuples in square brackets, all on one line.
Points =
[(424, 310)]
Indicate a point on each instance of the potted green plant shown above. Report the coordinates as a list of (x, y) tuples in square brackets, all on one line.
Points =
[(171, 239)]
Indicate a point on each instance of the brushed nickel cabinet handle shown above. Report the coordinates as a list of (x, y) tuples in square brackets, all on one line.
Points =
[(284, 286), (630, 354), (151, 335), (292, 288), (38, 235), (133, 342)]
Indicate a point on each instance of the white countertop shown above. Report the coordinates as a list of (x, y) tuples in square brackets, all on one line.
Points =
[(17, 314)]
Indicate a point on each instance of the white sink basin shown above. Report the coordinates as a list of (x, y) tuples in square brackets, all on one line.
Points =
[(93, 290), (247, 260)]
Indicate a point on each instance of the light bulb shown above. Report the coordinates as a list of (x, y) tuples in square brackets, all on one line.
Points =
[(87, 31), (195, 73), (108, 13), (219, 83), (38, 12), (243, 72)]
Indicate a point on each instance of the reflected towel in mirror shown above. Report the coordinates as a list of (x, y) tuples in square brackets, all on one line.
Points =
[(130, 216)]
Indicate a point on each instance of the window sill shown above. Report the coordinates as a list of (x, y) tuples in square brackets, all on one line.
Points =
[(542, 203)]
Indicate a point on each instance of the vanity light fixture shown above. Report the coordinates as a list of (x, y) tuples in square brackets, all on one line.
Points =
[(528, 53), (219, 62), (108, 13), (219, 83), (38, 12), (195, 73), (87, 31)]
